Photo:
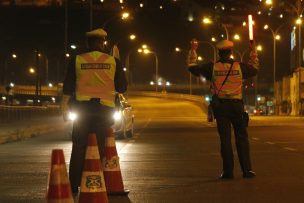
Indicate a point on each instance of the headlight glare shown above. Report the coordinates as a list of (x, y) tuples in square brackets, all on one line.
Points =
[(72, 116), (117, 115)]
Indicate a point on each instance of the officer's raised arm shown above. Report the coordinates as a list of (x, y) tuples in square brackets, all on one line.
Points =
[(251, 68)]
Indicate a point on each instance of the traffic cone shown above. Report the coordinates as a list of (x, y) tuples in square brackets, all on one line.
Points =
[(59, 188), (92, 188), (111, 168)]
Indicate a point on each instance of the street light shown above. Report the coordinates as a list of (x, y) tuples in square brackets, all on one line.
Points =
[(123, 16), (177, 49), (145, 50), (207, 21), (275, 37), (46, 64), (236, 37), (6, 63), (268, 2), (31, 70)]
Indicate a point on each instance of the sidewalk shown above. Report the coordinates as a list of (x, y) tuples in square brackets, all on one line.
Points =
[(20, 130), (276, 121)]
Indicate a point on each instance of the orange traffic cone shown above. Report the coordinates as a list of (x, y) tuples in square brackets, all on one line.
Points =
[(92, 188), (111, 168), (59, 188)]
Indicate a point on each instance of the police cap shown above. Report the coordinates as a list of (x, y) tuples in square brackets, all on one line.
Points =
[(99, 33), (224, 44)]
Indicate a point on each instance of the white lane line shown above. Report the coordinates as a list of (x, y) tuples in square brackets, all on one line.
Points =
[(290, 149), (270, 143), (255, 138), (125, 148)]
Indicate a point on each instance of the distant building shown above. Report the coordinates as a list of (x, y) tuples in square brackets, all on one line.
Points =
[(290, 94)]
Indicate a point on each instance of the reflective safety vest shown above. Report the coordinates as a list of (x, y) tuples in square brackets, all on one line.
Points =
[(95, 73), (232, 88)]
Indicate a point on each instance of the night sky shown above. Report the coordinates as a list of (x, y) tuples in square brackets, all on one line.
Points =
[(25, 29)]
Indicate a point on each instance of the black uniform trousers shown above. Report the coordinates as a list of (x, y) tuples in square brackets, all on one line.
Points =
[(230, 112), (92, 118)]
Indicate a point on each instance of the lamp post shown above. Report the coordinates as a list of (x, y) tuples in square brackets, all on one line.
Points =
[(240, 54), (207, 21), (226, 30), (131, 37), (37, 84), (147, 51), (6, 64), (177, 49), (275, 37), (46, 65)]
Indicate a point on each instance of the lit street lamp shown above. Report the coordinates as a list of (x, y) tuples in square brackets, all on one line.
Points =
[(275, 37), (32, 70), (208, 21), (147, 51), (123, 16), (6, 64)]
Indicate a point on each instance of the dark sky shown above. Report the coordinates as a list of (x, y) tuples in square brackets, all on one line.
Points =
[(24, 29)]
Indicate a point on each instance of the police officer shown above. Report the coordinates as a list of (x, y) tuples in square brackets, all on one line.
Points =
[(89, 89), (230, 108)]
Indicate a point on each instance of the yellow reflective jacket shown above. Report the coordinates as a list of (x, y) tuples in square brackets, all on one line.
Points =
[(232, 88), (95, 73)]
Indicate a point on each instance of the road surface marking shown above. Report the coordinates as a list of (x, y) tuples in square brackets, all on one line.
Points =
[(124, 148), (255, 138), (290, 149), (270, 142)]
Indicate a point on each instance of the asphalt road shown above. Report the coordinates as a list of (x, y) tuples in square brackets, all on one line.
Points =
[(173, 157)]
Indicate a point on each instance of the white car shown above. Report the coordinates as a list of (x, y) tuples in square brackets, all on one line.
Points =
[(123, 118)]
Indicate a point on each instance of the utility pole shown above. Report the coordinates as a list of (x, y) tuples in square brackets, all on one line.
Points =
[(91, 14), (37, 78)]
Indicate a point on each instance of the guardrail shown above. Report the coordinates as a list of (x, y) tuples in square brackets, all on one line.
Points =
[(18, 113)]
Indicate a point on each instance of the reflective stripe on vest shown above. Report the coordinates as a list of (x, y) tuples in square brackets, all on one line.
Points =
[(232, 88), (95, 73)]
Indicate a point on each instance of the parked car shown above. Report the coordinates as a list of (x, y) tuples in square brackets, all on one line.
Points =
[(123, 118)]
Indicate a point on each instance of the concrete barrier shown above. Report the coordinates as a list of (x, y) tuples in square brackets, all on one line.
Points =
[(199, 100), (31, 128)]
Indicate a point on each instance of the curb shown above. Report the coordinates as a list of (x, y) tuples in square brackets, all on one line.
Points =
[(26, 132)]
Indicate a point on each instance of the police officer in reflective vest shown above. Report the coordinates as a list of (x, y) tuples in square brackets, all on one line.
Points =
[(226, 76), (89, 89)]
